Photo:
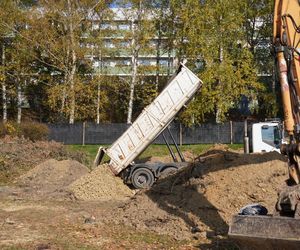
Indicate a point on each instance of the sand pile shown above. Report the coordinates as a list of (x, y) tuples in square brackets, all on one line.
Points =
[(203, 197), (100, 184), (52, 177)]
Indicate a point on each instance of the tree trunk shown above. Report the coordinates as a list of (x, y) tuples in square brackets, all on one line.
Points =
[(63, 100), (218, 111), (158, 58), (71, 75), (132, 86), (4, 98), (64, 90), (19, 102), (169, 62), (134, 60), (63, 96), (72, 94), (98, 102), (99, 89)]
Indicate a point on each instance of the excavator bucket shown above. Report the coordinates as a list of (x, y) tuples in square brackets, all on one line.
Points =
[(265, 232)]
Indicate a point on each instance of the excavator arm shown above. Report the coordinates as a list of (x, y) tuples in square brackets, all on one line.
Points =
[(281, 230), (286, 41)]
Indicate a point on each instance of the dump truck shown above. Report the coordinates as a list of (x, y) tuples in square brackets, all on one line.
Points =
[(153, 120), (280, 230)]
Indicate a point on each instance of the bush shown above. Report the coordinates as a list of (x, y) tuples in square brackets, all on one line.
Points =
[(9, 128), (34, 131), (30, 130)]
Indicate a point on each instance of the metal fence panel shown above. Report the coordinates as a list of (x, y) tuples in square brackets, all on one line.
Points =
[(103, 133), (66, 133), (238, 132), (92, 133)]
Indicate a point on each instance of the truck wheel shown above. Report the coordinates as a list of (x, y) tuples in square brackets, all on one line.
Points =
[(142, 178), (168, 171)]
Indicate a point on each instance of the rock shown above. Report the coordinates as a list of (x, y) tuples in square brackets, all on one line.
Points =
[(90, 220), (195, 229), (9, 221)]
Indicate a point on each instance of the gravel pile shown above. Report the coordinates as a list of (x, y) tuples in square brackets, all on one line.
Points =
[(100, 184)]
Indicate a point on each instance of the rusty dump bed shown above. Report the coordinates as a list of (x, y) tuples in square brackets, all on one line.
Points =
[(265, 232)]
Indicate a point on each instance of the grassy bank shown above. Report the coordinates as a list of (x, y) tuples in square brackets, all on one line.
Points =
[(152, 150)]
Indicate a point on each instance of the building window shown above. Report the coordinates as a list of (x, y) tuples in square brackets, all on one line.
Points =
[(106, 26), (124, 26), (163, 62), (95, 26)]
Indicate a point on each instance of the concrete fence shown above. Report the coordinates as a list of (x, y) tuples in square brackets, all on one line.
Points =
[(91, 133)]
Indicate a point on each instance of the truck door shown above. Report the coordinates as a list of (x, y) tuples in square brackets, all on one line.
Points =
[(266, 137)]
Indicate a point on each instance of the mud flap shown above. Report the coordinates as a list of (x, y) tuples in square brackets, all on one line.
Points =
[(99, 156), (265, 232)]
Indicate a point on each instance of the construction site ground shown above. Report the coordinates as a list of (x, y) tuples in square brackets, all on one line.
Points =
[(50, 199)]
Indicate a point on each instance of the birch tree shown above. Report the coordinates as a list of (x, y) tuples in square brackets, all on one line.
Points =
[(58, 38), (99, 51), (3, 80), (14, 61), (214, 42), (136, 12), (9, 16)]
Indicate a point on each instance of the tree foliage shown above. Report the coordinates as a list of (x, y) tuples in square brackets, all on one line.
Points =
[(213, 39), (53, 45)]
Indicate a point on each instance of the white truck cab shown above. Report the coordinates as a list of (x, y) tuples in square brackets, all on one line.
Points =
[(266, 137)]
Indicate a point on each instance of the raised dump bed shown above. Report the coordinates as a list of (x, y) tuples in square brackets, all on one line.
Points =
[(152, 121), (265, 232)]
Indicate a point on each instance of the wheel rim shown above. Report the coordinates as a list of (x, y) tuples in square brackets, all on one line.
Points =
[(142, 178)]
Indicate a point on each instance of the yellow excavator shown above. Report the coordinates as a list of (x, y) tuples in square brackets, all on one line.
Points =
[(281, 230)]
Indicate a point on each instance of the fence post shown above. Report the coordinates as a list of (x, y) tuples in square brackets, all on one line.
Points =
[(231, 133), (218, 126), (83, 133), (246, 138), (180, 134)]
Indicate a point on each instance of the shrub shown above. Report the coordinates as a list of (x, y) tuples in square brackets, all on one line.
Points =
[(30, 130), (34, 131), (9, 128)]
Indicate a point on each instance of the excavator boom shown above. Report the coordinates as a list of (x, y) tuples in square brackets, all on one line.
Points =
[(281, 229), (286, 40)]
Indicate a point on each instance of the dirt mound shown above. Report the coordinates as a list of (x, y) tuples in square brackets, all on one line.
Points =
[(19, 155), (100, 184), (203, 197), (51, 177)]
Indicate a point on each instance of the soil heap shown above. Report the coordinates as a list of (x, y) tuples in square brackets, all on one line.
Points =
[(52, 177), (100, 184), (18, 155), (203, 197)]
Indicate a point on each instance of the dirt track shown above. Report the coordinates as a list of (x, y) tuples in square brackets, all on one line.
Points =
[(42, 209)]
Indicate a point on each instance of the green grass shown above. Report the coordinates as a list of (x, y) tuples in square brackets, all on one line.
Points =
[(152, 150)]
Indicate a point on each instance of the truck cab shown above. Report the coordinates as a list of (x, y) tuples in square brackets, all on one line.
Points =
[(266, 137)]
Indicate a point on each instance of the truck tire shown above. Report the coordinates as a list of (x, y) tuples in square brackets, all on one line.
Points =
[(168, 171), (142, 178)]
